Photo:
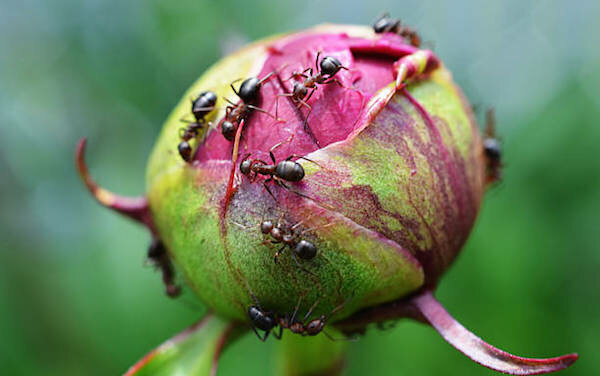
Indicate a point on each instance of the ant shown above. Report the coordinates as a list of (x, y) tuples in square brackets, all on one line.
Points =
[(386, 24), (492, 149), (326, 70), (158, 256), (249, 93), (267, 321), (201, 107), (302, 248), (278, 172)]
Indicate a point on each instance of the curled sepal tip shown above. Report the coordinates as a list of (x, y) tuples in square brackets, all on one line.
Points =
[(135, 208), (195, 351), (480, 351)]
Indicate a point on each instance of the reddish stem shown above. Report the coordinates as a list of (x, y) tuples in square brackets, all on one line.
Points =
[(478, 350), (135, 208)]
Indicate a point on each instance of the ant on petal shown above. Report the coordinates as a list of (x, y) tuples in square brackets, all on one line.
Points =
[(303, 90), (278, 172), (386, 24), (249, 94), (201, 107)]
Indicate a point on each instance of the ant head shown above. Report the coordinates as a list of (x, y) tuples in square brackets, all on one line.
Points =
[(492, 149), (249, 90), (261, 319), (228, 130), (315, 326), (289, 170), (305, 250), (330, 65), (185, 150), (245, 168), (266, 226)]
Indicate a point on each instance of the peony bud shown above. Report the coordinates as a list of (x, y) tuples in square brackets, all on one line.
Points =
[(336, 183)]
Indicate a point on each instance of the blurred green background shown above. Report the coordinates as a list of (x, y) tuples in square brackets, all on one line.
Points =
[(75, 295)]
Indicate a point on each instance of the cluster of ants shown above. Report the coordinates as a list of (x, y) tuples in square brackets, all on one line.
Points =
[(284, 171)]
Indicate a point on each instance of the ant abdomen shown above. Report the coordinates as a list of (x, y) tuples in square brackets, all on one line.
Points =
[(305, 249), (289, 170)]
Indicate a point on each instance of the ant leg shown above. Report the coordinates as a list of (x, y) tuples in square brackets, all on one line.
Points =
[(263, 338), (278, 145), (317, 61), (252, 107), (310, 311), (309, 95), (269, 75), (230, 108), (258, 335), (301, 157), (232, 88), (276, 256), (298, 306), (278, 336), (302, 74), (341, 305), (205, 108), (334, 80), (300, 266), (307, 114), (269, 190), (351, 339)]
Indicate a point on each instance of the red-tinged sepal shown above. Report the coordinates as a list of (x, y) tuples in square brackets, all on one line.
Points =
[(195, 351), (135, 208), (477, 349)]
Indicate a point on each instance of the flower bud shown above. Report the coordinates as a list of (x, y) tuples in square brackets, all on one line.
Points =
[(343, 175)]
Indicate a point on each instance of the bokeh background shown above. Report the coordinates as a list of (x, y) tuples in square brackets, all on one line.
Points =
[(75, 295)]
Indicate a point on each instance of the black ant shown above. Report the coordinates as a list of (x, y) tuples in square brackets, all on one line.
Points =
[(201, 107), (278, 172), (302, 248), (157, 254), (263, 320), (249, 93), (267, 321), (386, 24), (492, 149), (326, 70)]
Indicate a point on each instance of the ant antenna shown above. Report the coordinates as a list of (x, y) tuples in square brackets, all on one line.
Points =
[(350, 339)]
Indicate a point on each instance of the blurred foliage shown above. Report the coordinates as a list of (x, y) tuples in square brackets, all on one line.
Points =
[(76, 297)]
